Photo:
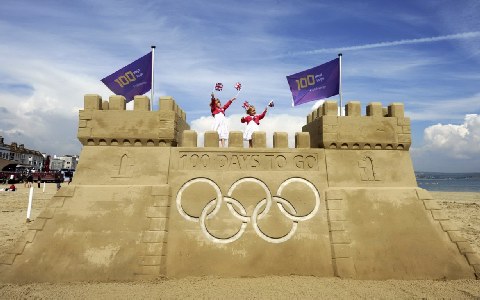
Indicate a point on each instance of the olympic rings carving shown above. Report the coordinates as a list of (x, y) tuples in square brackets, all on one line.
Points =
[(213, 206)]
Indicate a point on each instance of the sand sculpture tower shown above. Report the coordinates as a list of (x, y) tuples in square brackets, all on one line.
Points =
[(147, 201)]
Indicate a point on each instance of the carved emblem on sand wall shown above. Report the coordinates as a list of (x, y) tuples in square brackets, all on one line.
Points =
[(225, 218), (369, 171)]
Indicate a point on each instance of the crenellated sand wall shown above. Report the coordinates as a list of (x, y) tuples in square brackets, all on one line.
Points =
[(147, 201)]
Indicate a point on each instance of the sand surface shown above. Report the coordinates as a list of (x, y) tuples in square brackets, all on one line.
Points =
[(462, 208)]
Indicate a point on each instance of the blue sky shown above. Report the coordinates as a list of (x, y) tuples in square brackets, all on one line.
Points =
[(425, 54)]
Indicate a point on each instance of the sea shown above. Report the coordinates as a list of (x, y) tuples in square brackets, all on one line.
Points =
[(449, 182)]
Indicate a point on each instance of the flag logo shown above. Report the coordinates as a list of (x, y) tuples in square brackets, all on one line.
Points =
[(218, 86), (316, 83), (133, 79)]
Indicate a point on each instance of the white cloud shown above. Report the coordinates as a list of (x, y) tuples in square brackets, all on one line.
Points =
[(450, 147), (44, 116), (457, 141)]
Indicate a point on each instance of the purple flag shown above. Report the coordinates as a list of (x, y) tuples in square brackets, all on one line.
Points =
[(316, 83), (134, 79)]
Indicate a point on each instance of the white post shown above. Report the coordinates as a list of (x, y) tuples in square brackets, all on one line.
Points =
[(153, 86), (44, 187), (30, 199), (340, 82)]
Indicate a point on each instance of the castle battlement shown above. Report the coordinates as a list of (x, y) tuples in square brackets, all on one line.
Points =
[(383, 128), (235, 139), (108, 123)]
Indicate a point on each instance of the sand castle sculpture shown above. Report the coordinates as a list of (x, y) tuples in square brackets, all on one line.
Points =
[(147, 202)]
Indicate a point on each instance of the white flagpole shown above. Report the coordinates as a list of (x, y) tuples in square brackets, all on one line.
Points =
[(153, 87), (29, 208), (340, 82)]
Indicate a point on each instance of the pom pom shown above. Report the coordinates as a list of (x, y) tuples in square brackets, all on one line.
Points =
[(218, 86), (238, 86)]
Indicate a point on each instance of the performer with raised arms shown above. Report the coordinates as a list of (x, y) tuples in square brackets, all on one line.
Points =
[(218, 112), (252, 120)]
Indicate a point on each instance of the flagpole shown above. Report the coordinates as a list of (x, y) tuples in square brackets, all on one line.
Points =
[(340, 81), (153, 87)]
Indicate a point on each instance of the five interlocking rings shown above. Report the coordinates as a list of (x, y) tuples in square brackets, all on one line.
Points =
[(240, 212)]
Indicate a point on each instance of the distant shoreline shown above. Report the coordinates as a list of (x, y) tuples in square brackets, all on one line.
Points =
[(449, 182), (472, 174)]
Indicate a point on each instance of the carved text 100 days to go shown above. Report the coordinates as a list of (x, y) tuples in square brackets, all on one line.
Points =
[(248, 161)]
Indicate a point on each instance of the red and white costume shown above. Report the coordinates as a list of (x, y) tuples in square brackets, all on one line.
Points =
[(220, 124), (253, 123)]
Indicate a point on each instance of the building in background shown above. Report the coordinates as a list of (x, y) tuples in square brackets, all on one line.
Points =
[(69, 161), (18, 154), (56, 164), (4, 150), (11, 154), (66, 162)]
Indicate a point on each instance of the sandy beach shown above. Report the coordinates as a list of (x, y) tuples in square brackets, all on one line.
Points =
[(462, 208)]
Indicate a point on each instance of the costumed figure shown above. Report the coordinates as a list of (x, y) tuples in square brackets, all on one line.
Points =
[(218, 112), (252, 120)]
